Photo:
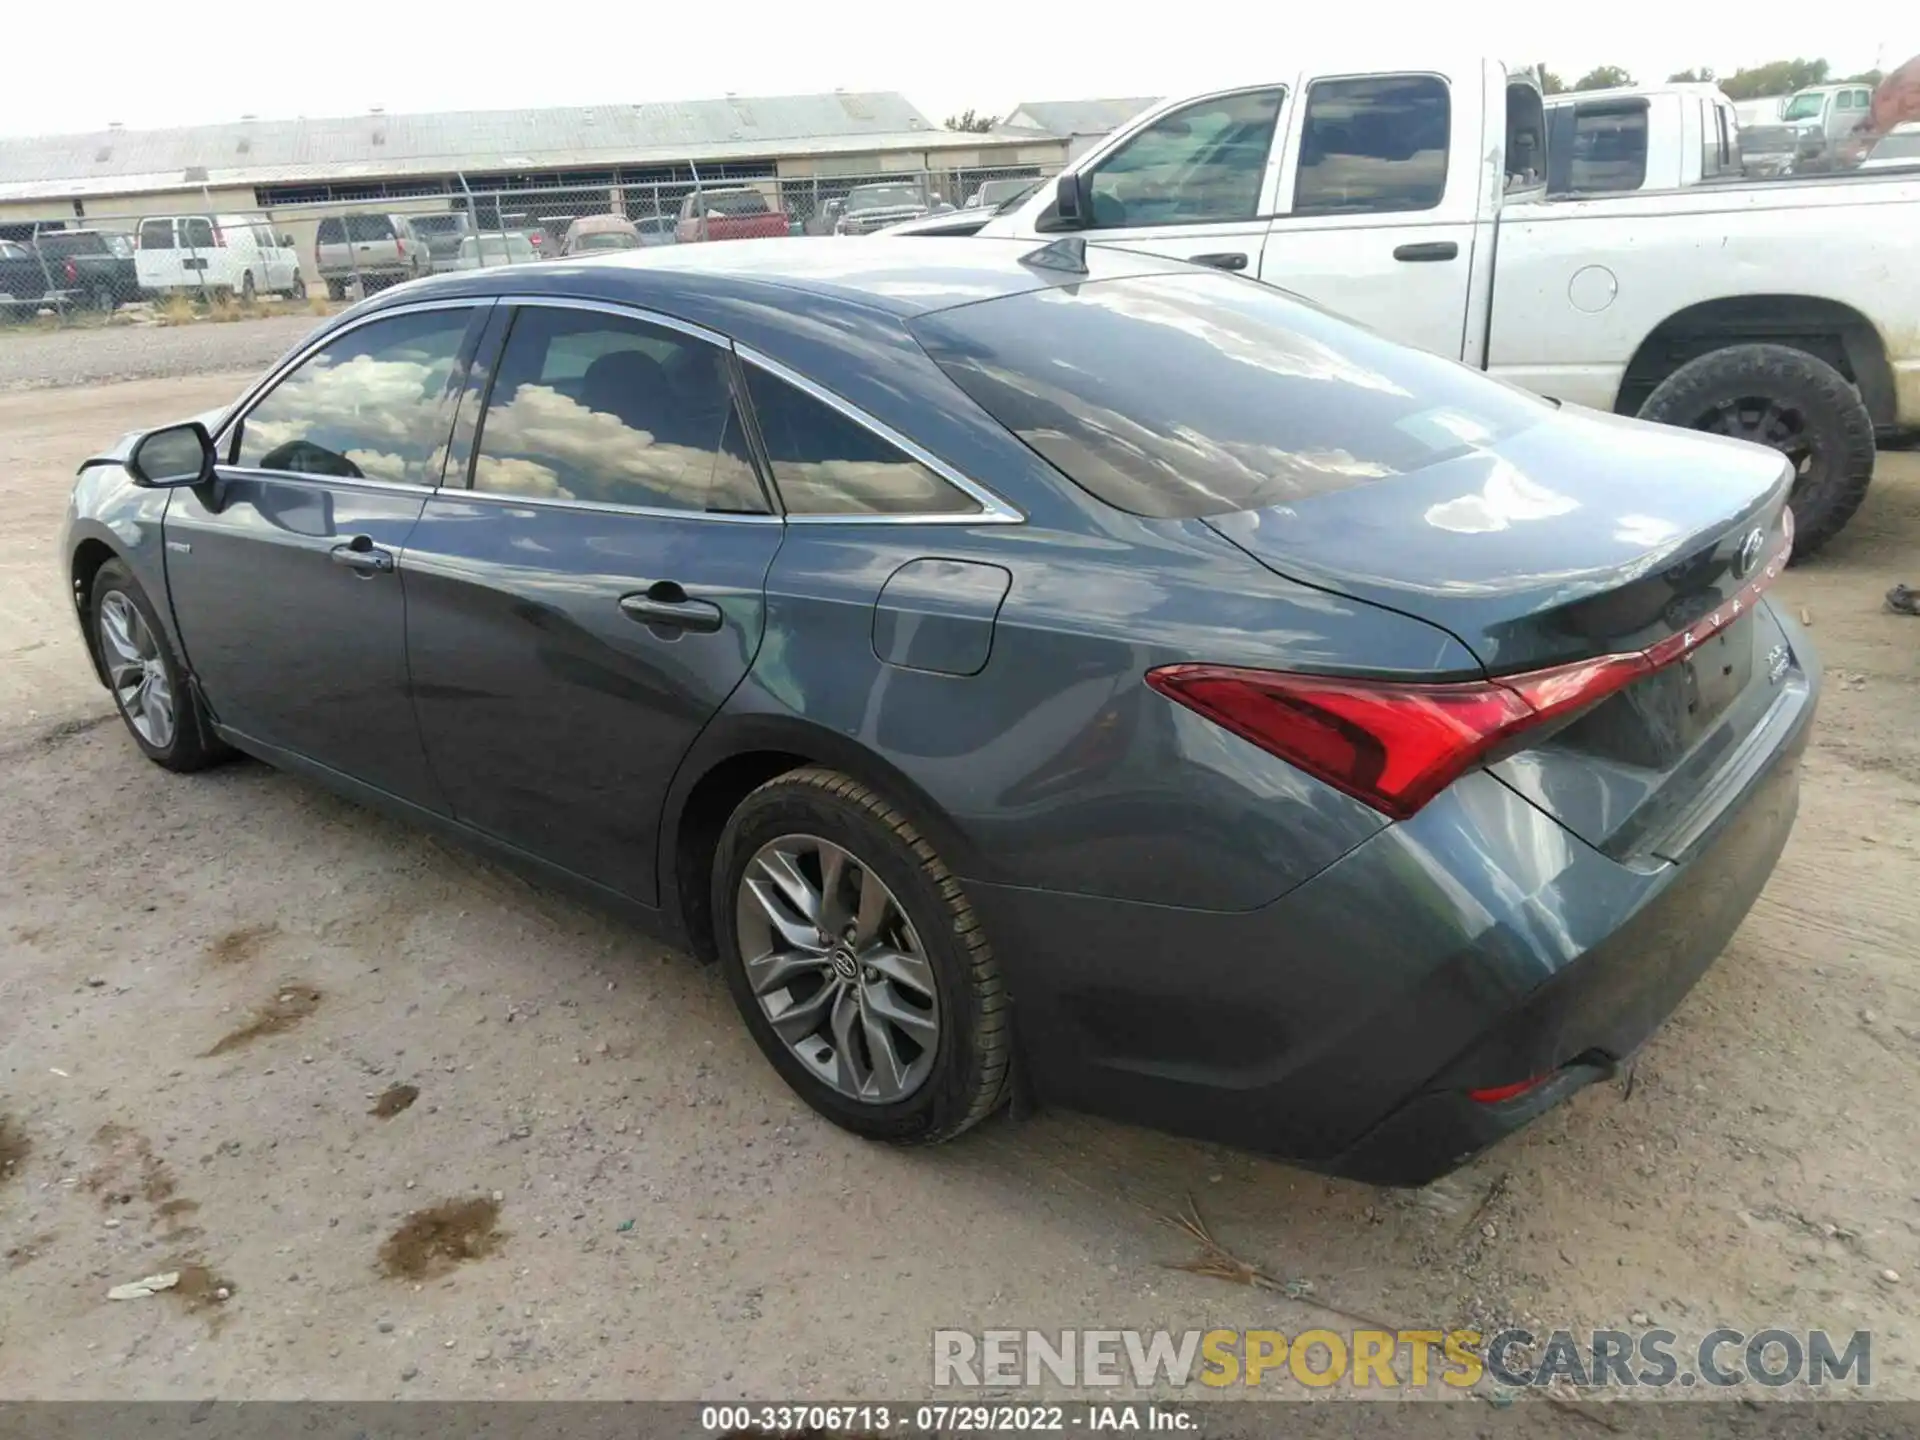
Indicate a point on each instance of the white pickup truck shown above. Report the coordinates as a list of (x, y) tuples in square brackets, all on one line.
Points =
[(1415, 200)]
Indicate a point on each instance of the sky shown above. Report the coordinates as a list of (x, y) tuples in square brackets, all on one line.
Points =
[(279, 60)]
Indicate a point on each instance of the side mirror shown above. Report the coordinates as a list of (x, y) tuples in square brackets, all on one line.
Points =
[(1073, 201), (177, 455), (286, 242)]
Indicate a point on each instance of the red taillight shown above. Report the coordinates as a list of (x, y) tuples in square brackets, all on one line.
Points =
[(1397, 744), (400, 246), (73, 273), (1495, 1094), (219, 238)]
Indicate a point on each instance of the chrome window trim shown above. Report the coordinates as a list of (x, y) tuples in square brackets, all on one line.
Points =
[(993, 511), (600, 507), (299, 357), (389, 487), (624, 311)]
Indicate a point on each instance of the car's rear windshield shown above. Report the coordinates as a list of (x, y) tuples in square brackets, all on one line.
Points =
[(605, 240), (1188, 394), (369, 227), (80, 242), (883, 197), (438, 224), (745, 202)]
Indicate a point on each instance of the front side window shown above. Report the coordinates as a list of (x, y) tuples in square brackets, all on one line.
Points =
[(1203, 162), (1844, 101), (371, 405), (825, 463), (1802, 107), (1374, 144), (614, 410)]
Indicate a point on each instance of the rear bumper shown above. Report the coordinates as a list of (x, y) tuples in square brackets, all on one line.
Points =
[(1477, 945)]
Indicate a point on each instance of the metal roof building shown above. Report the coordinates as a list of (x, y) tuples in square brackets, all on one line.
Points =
[(1064, 119), (291, 161)]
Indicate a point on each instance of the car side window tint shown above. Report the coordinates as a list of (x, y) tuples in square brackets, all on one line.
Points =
[(1203, 162), (156, 234), (1609, 146), (367, 406), (1373, 144), (825, 463), (617, 411)]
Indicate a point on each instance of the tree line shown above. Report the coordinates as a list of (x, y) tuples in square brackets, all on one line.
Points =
[(1776, 77)]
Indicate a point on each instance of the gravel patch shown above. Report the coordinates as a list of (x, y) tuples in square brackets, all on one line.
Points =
[(32, 360)]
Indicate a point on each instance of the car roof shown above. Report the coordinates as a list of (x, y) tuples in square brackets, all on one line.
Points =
[(904, 275)]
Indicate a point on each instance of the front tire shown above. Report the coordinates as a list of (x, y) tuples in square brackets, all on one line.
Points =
[(336, 289), (1793, 402), (247, 291), (148, 684), (299, 290), (857, 963)]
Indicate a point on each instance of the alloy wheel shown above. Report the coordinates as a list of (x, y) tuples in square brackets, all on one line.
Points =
[(838, 968), (1768, 422), (136, 671)]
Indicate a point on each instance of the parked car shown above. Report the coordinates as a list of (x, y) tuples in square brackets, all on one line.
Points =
[(872, 207), (378, 250), (479, 251), (96, 265), (29, 280), (1102, 671), (442, 233), (1416, 201), (740, 213), (600, 232), (1650, 137), (1809, 135), (1898, 149), (218, 254)]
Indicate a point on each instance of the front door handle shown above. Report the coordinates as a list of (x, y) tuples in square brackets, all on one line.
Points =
[(1427, 250), (1226, 260), (362, 555), (665, 603)]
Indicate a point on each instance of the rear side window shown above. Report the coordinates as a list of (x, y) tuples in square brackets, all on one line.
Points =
[(1180, 395), (371, 405), (617, 411), (1374, 144), (1601, 146), (331, 232), (369, 227), (156, 234), (827, 463)]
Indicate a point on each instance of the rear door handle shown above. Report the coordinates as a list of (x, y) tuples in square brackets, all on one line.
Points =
[(362, 555), (665, 603), (1428, 250), (1225, 260)]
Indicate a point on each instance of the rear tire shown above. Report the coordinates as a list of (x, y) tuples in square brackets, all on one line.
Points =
[(921, 958), (336, 289), (161, 710), (103, 300), (299, 290), (1793, 402), (247, 291)]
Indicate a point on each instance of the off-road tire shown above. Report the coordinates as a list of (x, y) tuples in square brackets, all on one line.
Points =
[(1835, 418)]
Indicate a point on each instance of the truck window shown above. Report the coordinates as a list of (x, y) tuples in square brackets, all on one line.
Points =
[(199, 232), (1597, 146), (156, 234), (1203, 162), (1373, 144)]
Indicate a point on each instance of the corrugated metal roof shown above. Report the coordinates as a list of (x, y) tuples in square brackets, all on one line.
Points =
[(1065, 118), (276, 151)]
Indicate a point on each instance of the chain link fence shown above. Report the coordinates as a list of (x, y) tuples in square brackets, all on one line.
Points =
[(309, 248)]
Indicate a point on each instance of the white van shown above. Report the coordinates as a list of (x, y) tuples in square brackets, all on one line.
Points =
[(236, 254)]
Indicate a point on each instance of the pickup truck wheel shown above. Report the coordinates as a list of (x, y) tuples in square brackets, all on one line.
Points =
[(103, 300), (336, 289), (1793, 402), (299, 286), (246, 287)]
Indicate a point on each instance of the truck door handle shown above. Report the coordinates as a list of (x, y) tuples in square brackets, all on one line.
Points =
[(665, 603), (1427, 250), (362, 555), (1226, 260)]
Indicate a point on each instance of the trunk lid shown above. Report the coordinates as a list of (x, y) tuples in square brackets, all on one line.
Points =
[(1579, 537)]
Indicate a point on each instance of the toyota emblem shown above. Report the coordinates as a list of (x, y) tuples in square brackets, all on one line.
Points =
[(1749, 555)]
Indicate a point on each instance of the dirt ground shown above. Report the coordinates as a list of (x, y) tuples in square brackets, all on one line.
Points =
[(431, 1131)]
